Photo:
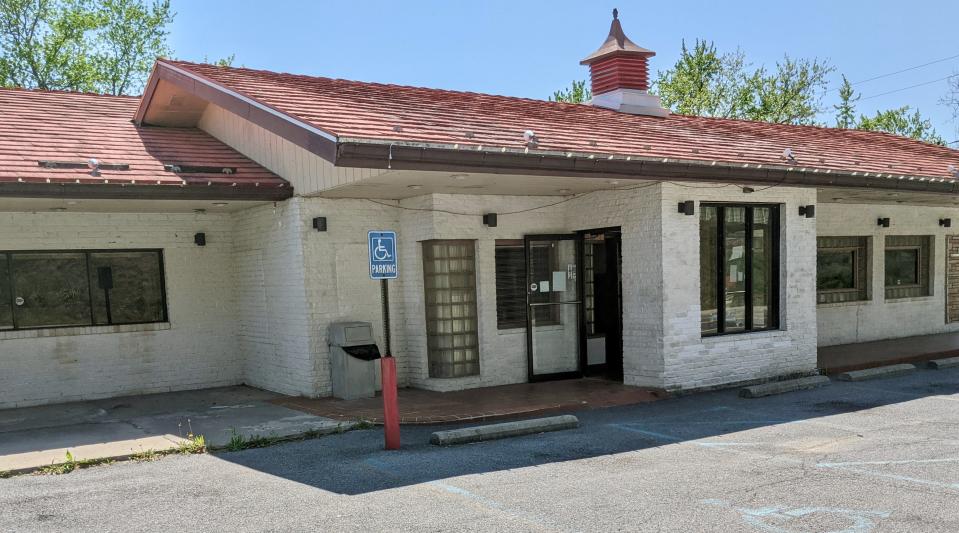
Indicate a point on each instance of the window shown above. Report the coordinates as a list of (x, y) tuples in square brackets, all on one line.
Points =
[(511, 285), (841, 271), (449, 285), (739, 268), (907, 266), (81, 288)]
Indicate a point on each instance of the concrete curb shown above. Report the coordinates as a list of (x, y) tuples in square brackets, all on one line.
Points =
[(879, 372), (779, 387), (503, 430), (159, 453), (939, 364)]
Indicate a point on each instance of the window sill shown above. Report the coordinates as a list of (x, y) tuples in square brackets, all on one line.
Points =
[(82, 330), (850, 303), (732, 337), (908, 299)]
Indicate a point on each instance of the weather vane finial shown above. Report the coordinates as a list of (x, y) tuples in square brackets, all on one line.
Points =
[(615, 13)]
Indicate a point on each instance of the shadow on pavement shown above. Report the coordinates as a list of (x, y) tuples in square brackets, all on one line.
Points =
[(355, 462)]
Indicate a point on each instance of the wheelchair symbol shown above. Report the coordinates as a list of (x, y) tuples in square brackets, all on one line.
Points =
[(380, 252)]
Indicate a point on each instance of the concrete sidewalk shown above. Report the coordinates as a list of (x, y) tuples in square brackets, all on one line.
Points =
[(32, 437)]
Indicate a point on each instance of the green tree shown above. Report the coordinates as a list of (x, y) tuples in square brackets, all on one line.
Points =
[(705, 82), (577, 93), (846, 110), (902, 121), (103, 46)]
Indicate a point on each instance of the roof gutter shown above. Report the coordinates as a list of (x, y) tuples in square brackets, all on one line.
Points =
[(384, 154), (141, 192)]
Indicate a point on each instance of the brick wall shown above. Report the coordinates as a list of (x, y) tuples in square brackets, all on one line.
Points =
[(692, 361), (195, 349), (878, 318), (952, 278)]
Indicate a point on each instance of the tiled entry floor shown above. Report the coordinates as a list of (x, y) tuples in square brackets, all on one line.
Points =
[(428, 407)]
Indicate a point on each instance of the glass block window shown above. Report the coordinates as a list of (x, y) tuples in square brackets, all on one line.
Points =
[(449, 286), (81, 288), (841, 269), (907, 266)]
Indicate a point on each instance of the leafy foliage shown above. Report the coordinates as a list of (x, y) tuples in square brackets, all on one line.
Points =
[(902, 121), (706, 83), (577, 93), (846, 110), (102, 46)]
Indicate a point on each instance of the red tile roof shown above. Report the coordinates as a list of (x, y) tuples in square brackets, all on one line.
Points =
[(351, 109), (75, 127)]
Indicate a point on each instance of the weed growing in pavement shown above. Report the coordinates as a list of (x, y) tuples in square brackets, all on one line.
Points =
[(146, 456), (70, 464), (194, 444)]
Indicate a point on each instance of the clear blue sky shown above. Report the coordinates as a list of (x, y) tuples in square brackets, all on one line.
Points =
[(525, 48)]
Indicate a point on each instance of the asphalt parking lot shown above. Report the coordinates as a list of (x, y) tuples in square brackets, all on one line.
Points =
[(852, 457)]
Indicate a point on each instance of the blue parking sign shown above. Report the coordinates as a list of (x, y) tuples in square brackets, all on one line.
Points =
[(382, 246)]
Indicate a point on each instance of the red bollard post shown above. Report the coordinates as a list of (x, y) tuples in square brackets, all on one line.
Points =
[(391, 406)]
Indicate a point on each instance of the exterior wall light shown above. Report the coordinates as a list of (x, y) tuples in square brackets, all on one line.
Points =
[(945, 222), (687, 208), (884, 222), (490, 219), (808, 211), (319, 223), (200, 239)]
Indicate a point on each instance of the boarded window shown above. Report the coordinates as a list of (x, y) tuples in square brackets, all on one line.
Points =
[(449, 284), (80, 288), (907, 266), (841, 269)]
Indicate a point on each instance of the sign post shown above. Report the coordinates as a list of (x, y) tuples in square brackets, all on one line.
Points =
[(382, 247)]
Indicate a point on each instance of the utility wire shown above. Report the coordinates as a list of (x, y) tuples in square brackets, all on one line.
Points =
[(907, 88), (907, 69)]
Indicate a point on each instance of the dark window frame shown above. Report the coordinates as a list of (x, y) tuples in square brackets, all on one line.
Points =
[(7, 255), (720, 261), (924, 247), (861, 248)]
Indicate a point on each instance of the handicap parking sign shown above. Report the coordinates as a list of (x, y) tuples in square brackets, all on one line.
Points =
[(382, 246)]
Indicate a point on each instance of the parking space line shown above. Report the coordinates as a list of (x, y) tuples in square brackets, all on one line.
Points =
[(898, 462), (897, 477)]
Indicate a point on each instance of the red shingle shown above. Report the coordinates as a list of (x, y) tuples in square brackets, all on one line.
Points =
[(61, 126), (373, 111)]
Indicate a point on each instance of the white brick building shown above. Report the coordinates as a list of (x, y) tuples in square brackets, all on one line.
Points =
[(669, 252)]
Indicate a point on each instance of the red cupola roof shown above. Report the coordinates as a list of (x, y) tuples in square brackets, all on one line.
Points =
[(619, 63)]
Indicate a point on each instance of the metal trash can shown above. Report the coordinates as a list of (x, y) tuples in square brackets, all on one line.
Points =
[(352, 352)]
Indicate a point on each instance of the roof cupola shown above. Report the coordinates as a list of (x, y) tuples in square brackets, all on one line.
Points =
[(619, 72)]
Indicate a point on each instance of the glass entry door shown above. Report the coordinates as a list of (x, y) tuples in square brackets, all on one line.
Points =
[(553, 343)]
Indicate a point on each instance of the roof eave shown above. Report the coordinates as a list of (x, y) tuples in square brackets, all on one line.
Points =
[(387, 154), (293, 129), (111, 191)]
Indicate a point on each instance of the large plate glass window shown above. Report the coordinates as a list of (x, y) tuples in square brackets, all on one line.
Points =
[(907, 266), (449, 284), (80, 288), (841, 269), (739, 268)]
